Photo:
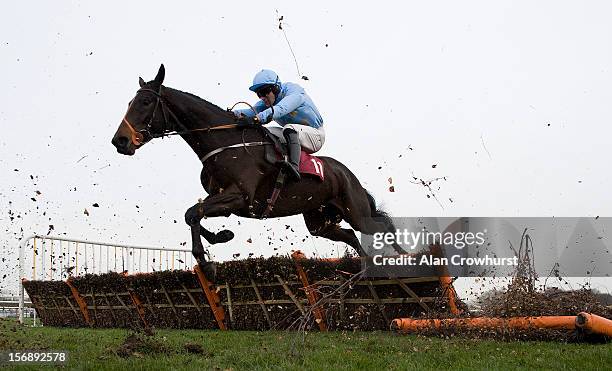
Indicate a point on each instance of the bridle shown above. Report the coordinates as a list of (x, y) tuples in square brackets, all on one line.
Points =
[(139, 137), (142, 136)]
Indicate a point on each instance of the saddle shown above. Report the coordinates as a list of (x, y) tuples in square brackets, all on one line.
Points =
[(277, 154)]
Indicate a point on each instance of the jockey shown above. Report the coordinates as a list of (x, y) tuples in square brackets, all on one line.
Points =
[(289, 105)]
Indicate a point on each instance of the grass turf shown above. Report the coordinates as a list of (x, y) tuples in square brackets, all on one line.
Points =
[(100, 349)]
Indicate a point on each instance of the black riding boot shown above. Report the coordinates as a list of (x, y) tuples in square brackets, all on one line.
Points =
[(294, 150)]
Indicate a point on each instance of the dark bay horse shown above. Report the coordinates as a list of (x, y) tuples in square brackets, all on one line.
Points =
[(239, 180)]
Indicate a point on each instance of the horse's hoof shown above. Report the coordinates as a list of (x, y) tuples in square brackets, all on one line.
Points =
[(224, 236), (210, 270)]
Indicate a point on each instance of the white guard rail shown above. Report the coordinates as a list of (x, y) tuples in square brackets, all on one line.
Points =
[(46, 258)]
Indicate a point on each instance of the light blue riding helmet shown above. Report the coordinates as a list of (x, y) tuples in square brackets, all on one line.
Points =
[(264, 77)]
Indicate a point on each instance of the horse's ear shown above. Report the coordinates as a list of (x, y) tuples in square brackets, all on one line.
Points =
[(141, 82), (159, 79)]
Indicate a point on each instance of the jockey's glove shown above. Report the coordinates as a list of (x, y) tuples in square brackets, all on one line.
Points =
[(263, 119)]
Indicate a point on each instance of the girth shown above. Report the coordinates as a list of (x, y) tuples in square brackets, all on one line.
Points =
[(271, 156)]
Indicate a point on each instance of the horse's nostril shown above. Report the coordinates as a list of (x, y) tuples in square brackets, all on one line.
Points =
[(121, 142)]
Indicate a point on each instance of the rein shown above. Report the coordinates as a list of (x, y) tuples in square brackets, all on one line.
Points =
[(138, 136)]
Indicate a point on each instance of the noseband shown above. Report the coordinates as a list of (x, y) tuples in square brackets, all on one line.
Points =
[(142, 136)]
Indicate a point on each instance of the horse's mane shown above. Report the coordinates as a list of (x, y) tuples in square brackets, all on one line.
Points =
[(197, 100)]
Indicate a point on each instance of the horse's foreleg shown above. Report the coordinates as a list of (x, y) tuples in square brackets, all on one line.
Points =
[(222, 204), (194, 214), (192, 217), (197, 249)]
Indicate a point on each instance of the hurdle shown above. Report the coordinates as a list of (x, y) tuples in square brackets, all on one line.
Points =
[(44, 258)]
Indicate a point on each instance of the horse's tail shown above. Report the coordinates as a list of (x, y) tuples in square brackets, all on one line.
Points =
[(379, 214)]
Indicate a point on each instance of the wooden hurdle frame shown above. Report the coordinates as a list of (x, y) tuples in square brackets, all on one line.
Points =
[(302, 295)]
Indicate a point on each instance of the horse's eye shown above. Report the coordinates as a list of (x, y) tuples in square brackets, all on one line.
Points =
[(146, 102)]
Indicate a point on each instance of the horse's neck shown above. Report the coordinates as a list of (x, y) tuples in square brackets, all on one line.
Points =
[(195, 112), (192, 114)]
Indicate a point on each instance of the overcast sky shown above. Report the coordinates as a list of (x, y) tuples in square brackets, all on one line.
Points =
[(509, 99)]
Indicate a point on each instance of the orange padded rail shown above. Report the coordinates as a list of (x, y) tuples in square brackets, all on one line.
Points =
[(447, 287), (139, 307), (594, 324), (80, 301), (446, 282), (408, 325), (212, 297), (310, 290)]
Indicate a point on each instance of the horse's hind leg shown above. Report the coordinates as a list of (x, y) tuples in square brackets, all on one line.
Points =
[(325, 225), (358, 212), (369, 226)]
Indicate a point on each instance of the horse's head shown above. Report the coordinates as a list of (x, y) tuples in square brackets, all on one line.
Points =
[(145, 119)]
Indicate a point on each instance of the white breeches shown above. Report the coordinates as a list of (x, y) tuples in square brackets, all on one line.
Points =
[(311, 139)]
